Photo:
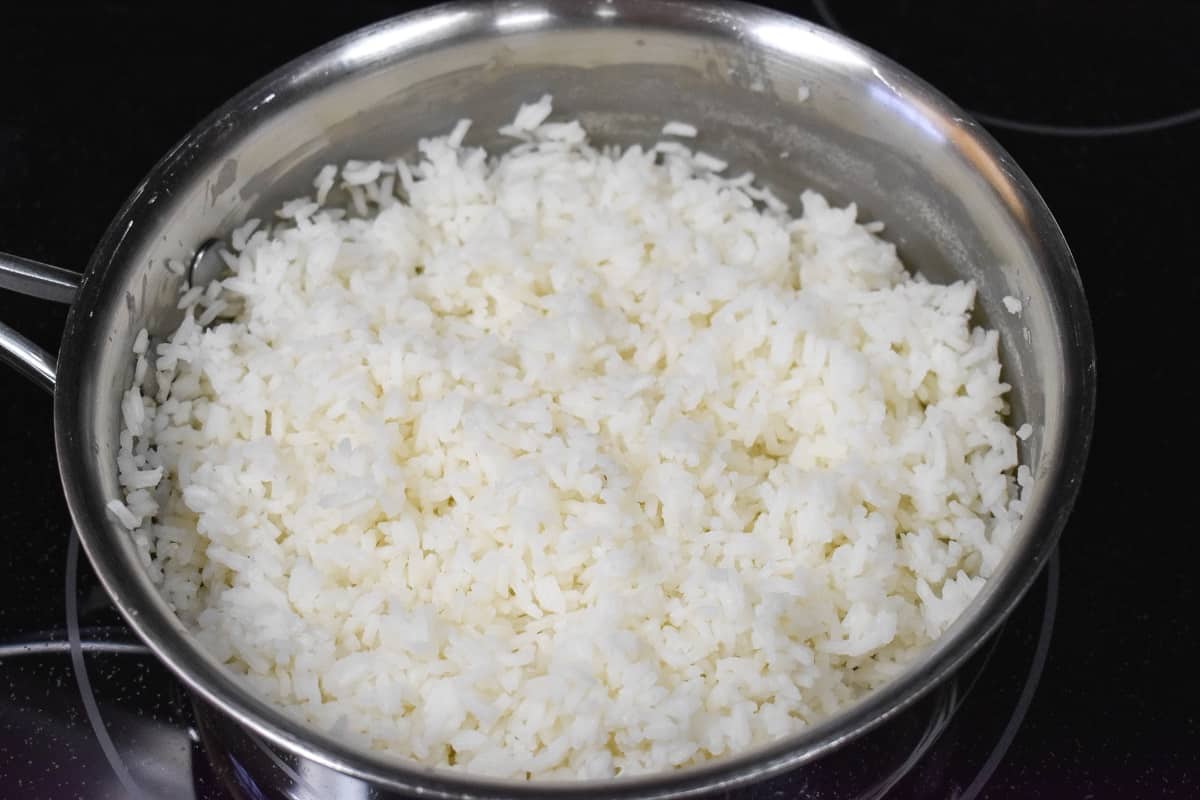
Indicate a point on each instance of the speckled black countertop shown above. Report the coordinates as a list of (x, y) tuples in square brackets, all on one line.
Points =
[(1099, 103)]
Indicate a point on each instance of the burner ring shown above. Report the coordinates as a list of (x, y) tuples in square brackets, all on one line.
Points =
[(79, 668), (1152, 125)]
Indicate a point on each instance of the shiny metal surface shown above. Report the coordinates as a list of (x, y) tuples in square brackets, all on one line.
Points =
[(253, 768), (36, 279), (27, 358), (39, 280), (952, 200)]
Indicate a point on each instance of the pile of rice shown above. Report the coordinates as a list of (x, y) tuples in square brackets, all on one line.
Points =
[(575, 462)]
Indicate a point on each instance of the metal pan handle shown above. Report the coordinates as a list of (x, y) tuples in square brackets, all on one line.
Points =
[(40, 280)]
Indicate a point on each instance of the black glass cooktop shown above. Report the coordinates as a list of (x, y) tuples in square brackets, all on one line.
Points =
[(1087, 692)]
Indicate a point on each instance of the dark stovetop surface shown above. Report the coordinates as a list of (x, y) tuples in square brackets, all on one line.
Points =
[(1100, 104)]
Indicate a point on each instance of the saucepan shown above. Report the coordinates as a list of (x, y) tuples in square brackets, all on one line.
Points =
[(798, 105)]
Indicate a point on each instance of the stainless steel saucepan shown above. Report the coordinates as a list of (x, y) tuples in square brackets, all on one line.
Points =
[(798, 105)]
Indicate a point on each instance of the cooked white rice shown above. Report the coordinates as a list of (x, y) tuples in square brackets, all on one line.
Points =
[(677, 128), (571, 463)]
